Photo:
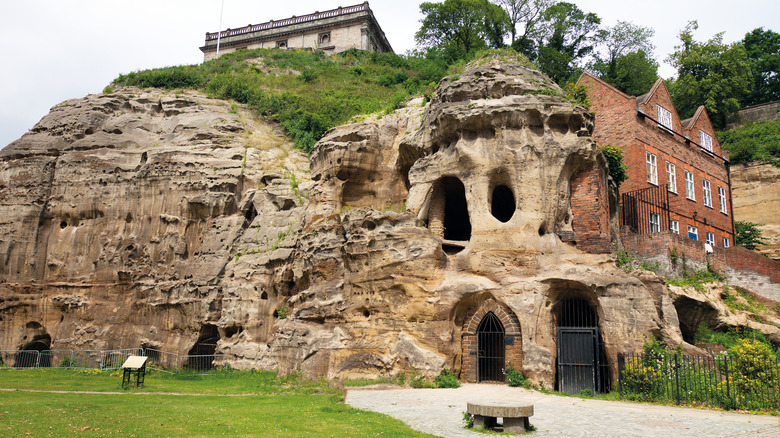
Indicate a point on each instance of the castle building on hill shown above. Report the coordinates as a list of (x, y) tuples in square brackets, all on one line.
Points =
[(678, 177), (333, 31)]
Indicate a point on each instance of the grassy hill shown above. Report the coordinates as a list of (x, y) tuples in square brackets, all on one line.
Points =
[(758, 141), (306, 92)]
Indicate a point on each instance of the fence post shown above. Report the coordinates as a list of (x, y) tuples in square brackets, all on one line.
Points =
[(37, 359), (726, 367), (677, 377), (621, 362)]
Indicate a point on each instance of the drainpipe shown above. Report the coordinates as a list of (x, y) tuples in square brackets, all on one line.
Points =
[(731, 206)]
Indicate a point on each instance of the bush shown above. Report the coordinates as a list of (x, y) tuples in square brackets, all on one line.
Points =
[(516, 378), (617, 169), (758, 141), (447, 379), (749, 236)]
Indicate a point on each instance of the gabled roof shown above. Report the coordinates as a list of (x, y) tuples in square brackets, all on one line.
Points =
[(602, 82), (645, 97), (689, 123)]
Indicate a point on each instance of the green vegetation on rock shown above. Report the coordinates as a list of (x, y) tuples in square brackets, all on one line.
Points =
[(759, 141), (306, 92)]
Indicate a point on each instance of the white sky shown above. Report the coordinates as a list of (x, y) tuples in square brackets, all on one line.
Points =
[(56, 50)]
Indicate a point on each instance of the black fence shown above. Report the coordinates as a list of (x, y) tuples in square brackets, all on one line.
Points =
[(728, 382), (646, 210)]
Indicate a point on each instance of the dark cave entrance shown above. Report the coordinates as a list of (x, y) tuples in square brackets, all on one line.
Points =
[(201, 355), (448, 216), (581, 361), (35, 353), (502, 203)]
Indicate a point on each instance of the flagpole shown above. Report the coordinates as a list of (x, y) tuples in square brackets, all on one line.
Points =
[(219, 35)]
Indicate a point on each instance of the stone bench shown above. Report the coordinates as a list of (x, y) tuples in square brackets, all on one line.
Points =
[(515, 415)]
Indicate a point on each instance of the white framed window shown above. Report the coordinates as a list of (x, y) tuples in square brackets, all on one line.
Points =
[(671, 177), (674, 226), (705, 140), (722, 200), (711, 238), (664, 117), (707, 193), (693, 232), (655, 222), (689, 191), (726, 242), (652, 168)]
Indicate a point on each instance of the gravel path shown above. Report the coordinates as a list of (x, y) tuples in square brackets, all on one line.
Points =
[(440, 412)]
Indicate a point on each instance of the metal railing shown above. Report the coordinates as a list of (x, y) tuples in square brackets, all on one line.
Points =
[(107, 359), (638, 206), (729, 382), (287, 21)]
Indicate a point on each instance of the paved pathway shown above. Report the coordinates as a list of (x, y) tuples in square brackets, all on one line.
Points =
[(440, 412)]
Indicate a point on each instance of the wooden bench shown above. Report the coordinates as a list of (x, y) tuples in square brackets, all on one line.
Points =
[(515, 415)]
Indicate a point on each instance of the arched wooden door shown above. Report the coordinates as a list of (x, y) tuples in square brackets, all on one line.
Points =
[(491, 351)]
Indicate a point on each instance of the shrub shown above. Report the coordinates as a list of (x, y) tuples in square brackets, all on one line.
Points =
[(516, 378), (749, 236), (283, 311), (447, 379), (617, 169), (108, 90)]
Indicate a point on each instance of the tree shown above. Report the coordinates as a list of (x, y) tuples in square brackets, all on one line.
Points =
[(564, 36), (462, 26), (525, 12), (711, 73), (763, 51), (633, 73), (623, 57), (748, 235)]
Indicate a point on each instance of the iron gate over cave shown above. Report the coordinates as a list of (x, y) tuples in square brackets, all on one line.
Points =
[(582, 364), (491, 351)]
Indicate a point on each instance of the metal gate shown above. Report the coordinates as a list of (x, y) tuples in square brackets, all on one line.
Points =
[(490, 349), (578, 360)]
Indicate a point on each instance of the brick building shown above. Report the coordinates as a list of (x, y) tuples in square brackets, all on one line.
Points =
[(331, 31), (678, 178)]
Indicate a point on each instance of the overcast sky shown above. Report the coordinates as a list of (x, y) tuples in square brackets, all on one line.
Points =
[(57, 50)]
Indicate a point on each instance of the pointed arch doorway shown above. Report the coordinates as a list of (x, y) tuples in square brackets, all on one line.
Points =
[(491, 349)]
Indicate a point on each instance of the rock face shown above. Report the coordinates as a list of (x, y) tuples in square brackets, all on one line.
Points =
[(756, 197), (145, 219)]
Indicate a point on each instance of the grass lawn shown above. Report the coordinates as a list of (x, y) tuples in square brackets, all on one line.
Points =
[(277, 407)]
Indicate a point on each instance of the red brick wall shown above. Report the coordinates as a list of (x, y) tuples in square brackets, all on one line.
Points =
[(590, 211), (618, 123), (744, 268), (513, 353)]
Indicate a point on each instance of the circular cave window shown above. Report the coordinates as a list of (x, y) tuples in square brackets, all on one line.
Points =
[(502, 205)]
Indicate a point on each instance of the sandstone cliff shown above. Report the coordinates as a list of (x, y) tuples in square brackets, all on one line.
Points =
[(756, 196), (142, 218)]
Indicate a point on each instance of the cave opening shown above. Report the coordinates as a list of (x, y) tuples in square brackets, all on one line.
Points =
[(201, 356), (35, 353), (448, 214), (502, 203), (581, 358)]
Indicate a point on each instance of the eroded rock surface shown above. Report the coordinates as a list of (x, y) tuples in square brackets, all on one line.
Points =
[(145, 219), (756, 197)]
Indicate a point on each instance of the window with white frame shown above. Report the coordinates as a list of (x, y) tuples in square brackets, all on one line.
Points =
[(693, 232), (711, 238), (726, 242), (705, 140), (722, 199), (652, 168), (689, 191), (664, 117), (671, 177), (674, 226), (655, 222), (707, 193)]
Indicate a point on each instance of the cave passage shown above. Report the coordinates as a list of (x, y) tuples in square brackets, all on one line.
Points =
[(502, 203), (201, 355), (457, 225)]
